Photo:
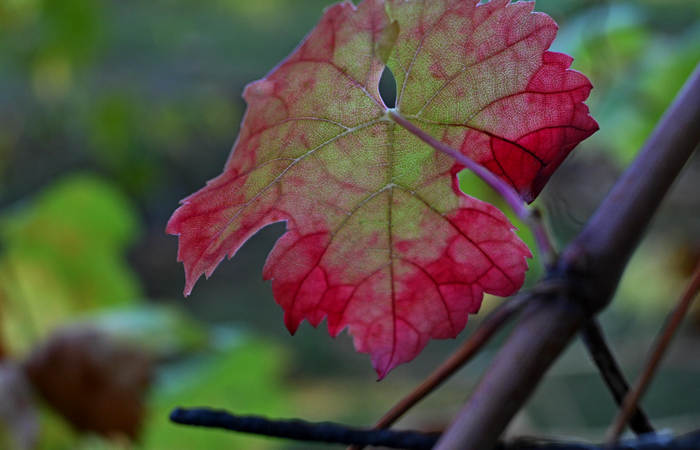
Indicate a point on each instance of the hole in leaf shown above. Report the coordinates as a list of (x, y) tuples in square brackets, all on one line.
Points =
[(387, 88)]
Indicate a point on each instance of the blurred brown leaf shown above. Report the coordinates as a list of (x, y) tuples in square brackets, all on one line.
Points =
[(96, 382)]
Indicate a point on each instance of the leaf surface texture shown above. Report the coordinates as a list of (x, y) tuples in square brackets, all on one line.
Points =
[(379, 237)]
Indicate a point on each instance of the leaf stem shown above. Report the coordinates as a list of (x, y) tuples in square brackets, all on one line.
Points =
[(532, 218), (662, 343)]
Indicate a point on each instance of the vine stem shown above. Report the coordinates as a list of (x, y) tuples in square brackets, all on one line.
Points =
[(532, 218), (663, 341), (592, 264)]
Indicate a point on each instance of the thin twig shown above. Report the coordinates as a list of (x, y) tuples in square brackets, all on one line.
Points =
[(301, 430), (599, 350), (667, 334), (335, 433), (531, 218)]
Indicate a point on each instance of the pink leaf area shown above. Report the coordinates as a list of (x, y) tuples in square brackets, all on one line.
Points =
[(380, 240)]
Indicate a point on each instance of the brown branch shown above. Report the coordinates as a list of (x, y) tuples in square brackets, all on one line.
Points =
[(592, 336), (471, 347), (592, 265), (604, 247), (662, 343), (513, 374)]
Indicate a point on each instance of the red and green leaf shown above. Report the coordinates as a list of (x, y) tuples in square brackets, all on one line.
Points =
[(379, 237), (480, 78)]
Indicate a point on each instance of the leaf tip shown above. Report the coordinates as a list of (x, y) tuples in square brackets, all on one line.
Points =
[(292, 323), (190, 281), (382, 372)]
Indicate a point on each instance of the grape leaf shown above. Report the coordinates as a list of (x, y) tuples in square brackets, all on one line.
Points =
[(379, 237)]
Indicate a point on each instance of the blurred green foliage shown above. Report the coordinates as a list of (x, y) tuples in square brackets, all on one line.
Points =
[(63, 260), (64, 254), (636, 72), (163, 330), (246, 378)]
